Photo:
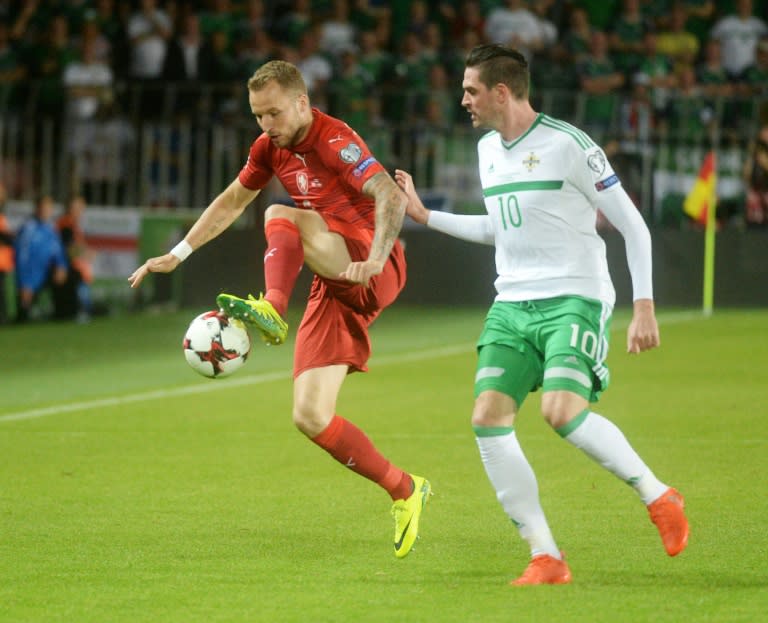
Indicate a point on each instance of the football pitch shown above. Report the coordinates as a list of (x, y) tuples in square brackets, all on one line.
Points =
[(133, 490)]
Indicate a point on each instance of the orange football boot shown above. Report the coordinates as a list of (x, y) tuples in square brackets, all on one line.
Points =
[(544, 569), (667, 513)]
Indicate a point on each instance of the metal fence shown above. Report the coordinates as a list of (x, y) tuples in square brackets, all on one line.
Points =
[(178, 145)]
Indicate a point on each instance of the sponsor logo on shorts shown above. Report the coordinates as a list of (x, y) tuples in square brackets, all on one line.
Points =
[(607, 182)]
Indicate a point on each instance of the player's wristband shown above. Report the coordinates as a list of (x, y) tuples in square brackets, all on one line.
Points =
[(182, 250)]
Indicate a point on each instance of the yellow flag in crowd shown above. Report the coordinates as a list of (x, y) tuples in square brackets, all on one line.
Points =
[(701, 200)]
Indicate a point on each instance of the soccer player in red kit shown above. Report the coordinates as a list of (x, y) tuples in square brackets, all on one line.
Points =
[(344, 226)]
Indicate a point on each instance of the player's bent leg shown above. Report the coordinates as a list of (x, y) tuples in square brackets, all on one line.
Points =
[(257, 313), (325, 251)]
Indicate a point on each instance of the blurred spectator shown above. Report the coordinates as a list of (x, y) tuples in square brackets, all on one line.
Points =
[(365, 16), (218, 64), (432, 50), (547, 27), (254, 20), (439, 112), (626, 37), (6, 257), (700, 16), (40, 258), (514, 25), (739, 33), (691, 115), (48, 61), (218, 17), (600, 80), (675, 42), (254, 52), (351, 98), (655, 75), (315, 68), (602, 13), (12, 70), (468, 17), (373, 57), (90, 31), (149, 29), (294, 23), (756, 75), (337, 33), (711, 74), (72, 299), (183, 57), (100, 155), (575, 42), (87, 81), (418, 17), (30, 21), (112, 25), (756, 178)]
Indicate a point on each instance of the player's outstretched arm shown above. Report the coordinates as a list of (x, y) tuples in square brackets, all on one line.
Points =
[(219, 215), (415, 208), (643, 331)]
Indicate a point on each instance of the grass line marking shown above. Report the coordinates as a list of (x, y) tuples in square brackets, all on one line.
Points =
[(257, 379)]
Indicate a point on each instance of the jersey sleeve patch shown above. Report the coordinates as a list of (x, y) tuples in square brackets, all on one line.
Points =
[(607, 182), (596, 162), (360, 168), (351, 153)]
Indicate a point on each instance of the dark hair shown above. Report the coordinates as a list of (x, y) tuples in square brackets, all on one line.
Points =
[(500, 64)]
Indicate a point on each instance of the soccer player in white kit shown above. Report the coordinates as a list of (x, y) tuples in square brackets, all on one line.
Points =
[(543, 181)]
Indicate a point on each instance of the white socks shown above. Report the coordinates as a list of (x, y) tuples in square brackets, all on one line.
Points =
[(602, 440), (516, 487), (515, 483)]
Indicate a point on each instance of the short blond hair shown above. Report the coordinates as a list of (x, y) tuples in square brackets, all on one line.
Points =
[(286, 74)]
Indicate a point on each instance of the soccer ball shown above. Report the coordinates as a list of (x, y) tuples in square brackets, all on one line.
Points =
[(216, 345)]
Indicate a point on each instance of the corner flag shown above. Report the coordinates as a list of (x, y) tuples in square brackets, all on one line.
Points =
[(700, 204), (700, 201)]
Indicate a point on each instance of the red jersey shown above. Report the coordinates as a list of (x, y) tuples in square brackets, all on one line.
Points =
[(325, 172)]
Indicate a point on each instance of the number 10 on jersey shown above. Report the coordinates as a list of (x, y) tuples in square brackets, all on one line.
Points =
[(510, 211)]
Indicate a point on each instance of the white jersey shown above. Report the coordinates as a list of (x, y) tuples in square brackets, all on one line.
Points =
[(540, 193)]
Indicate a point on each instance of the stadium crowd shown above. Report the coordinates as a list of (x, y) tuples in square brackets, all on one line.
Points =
[(624, 70), (651, 50)]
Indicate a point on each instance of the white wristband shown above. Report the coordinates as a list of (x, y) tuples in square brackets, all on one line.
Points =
[(182, 250)]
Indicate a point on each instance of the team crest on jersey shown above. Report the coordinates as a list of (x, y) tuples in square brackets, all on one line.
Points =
[(351, 153), (531, 161), (596, 162), (302, 181)]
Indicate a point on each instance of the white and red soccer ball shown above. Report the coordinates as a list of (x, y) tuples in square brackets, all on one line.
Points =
[(216, 345)]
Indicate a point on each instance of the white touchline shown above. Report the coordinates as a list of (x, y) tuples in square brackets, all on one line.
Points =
[(257, 379)]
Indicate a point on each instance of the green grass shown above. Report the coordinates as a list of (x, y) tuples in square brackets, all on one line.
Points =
[(133, 490)]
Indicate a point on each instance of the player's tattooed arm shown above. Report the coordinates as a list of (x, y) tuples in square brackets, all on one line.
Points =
[(390, 212)]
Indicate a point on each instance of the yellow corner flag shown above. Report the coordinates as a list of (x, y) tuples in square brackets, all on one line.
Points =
[(700, 205)]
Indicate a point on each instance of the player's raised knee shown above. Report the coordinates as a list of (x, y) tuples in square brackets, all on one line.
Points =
[(279, 210)]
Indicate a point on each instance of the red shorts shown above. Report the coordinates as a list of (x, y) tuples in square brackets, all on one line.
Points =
[(334, 329)]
